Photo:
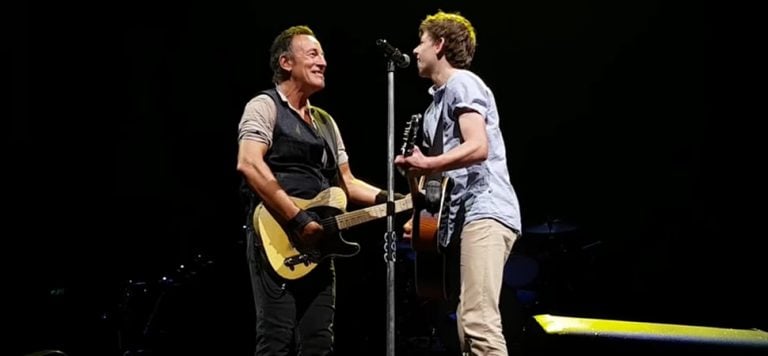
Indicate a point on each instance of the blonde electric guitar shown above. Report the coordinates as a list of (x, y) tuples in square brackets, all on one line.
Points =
[(330, 204)]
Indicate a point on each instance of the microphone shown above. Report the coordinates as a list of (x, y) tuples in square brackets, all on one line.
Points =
[(400, 59)]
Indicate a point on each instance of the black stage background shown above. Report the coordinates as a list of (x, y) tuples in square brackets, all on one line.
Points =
[(622, 119)]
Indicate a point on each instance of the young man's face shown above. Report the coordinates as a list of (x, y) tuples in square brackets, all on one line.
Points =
[(426, 55)]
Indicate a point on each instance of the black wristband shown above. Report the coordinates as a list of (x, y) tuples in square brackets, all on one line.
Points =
[(298, 222), (382, 197)]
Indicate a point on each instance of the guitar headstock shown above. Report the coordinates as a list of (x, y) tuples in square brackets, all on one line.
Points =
[(411, 132)]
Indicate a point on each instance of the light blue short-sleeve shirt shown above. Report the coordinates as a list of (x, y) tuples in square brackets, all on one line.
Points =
[(482, 190)]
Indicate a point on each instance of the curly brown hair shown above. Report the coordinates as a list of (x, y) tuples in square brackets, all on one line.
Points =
[(460, 38), (282, 46)]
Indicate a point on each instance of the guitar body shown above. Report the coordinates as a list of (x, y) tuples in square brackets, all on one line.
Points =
[(277, 245), (431, 225), (428, 228)]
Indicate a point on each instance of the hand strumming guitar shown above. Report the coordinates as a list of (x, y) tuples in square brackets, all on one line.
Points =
[(305, 230)]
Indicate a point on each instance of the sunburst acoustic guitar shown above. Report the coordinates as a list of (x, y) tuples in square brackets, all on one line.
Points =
[(430, 217)]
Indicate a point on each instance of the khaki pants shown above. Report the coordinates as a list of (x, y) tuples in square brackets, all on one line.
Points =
[(485, 246)]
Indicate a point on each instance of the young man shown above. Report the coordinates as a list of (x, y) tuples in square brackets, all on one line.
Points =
[(484, 211)]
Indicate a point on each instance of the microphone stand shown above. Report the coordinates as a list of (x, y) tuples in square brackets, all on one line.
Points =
[(389, 237)]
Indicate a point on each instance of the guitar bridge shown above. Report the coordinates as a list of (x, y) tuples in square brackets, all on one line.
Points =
[(303, 258)]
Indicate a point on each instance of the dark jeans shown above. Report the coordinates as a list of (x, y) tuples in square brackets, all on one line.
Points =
[(293, 317)]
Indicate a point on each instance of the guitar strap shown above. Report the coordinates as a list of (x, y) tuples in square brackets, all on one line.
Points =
[(433, 182), (323, 127), (322, 120), (437, 141)]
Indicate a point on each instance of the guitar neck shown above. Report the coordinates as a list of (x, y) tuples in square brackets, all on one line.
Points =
[(357, 217)]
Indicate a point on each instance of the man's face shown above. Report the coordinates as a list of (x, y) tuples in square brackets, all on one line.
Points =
[(307, 62)]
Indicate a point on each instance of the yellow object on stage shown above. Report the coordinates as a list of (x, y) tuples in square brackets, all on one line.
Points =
[(562, 325)]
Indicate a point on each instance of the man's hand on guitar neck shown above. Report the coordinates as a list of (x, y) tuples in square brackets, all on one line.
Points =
[(416, 164)]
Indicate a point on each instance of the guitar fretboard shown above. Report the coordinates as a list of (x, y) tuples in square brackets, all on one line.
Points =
[(361, 216)]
